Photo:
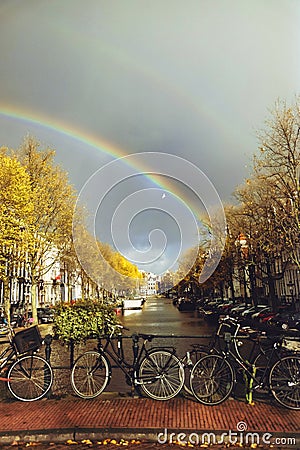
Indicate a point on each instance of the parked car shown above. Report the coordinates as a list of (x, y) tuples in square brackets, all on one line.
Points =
[(237, 309), (246, 314), (225, 307), (186, 304), (279, 319), (45, 315), (255, 319), (264, 317), (287, 320), (256, 314), (18, 319)]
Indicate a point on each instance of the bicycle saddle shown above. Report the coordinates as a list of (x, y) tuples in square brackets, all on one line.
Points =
[(147, 337)]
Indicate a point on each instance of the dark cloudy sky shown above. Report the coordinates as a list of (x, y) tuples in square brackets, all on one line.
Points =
[(99, 79)]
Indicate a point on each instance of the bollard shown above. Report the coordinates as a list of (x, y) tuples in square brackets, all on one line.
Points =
[(72, 345), (48, 340), (135, 350)]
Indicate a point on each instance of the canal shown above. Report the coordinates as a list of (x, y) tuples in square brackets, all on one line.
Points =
[(160, 316), (171, 327)]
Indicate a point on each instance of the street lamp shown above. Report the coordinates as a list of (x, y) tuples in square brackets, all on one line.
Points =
[(242, 241), (291, 285), (242, 245)]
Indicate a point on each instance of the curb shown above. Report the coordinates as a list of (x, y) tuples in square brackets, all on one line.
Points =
[(216, 437)]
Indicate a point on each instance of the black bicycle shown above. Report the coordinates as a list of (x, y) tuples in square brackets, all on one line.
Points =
[(157, 371), (214, 375), (241, 339), (29, 377)]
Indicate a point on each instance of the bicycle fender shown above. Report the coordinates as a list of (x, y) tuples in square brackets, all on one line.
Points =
[(168, 349)]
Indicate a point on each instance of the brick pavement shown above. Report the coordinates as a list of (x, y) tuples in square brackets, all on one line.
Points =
[(128, 418)]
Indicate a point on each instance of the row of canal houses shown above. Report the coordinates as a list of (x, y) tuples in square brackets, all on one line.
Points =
[(57, 284)]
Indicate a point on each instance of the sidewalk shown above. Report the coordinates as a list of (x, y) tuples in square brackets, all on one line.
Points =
[(118, 417)]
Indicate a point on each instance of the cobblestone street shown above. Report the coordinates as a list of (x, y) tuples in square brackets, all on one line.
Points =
[(154, 424)]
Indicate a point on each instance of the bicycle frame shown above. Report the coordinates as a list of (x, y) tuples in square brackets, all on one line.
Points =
[(7, 356), (237, 340), (245, 365), (117, 354)]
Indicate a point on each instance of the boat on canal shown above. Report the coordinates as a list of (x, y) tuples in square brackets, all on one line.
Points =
[(135, 302)]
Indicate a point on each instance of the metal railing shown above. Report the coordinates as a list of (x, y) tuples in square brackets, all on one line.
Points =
[(48, 341)]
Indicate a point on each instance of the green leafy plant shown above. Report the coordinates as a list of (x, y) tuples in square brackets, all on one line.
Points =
[(82, 320)]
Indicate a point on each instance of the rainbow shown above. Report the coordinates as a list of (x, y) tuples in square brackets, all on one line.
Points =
[(64, 129), (107, 148), (73, 133), (84, 38)]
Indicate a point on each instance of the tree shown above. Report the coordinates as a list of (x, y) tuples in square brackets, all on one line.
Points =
[(189, 271), (268, 210), (123, 275), (100, 265), (264, 228), (264, 238), (16, 220), (278, 166), (53, 201)]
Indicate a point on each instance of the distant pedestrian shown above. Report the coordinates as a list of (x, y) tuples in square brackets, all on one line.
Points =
[(3, 319)]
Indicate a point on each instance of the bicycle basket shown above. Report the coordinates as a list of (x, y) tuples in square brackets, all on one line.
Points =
[(27, 340)]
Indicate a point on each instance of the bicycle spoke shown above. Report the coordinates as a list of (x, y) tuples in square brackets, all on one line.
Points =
[(30, 378), (211, 380), (285, 382), (189, 360), (90, 375), (161, 375)]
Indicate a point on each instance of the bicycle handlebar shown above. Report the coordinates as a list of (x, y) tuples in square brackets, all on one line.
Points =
[(117, 325), (229, 319)]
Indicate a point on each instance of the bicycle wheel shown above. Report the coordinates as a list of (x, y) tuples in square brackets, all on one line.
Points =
[(188, 362), (264, 361), (90, 374), (212, 380), (30, 378), (161, 375), (284, 381)]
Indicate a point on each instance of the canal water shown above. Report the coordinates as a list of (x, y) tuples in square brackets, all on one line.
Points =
[(171, 328), (160, 316)]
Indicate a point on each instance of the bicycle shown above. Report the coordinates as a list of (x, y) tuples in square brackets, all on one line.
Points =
[(262, 353), (213, 377), (256, 345), (189, 360), (197, 351), (157, 372), (29, 377)]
